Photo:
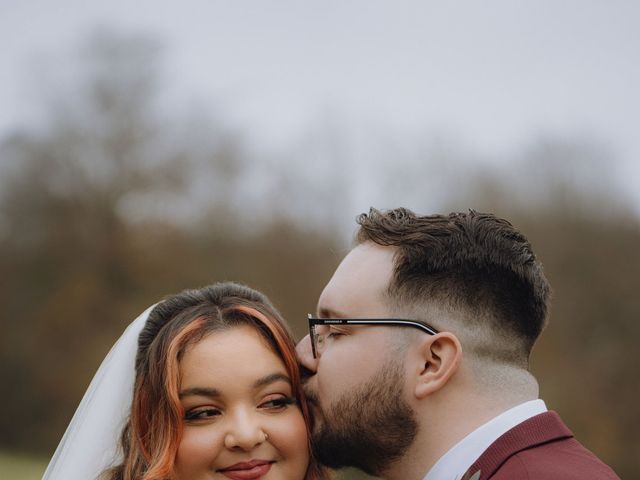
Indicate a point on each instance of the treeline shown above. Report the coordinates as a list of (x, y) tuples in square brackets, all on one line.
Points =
[(110, 206), (98, 220)]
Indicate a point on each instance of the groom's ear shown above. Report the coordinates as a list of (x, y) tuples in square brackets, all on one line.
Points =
[(440, 357)]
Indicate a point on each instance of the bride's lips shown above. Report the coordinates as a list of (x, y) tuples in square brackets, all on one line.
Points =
[(252, 470)]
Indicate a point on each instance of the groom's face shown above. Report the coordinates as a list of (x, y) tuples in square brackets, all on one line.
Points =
[(356, 383)]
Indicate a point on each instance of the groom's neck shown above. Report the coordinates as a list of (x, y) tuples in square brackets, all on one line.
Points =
[(449, 416)]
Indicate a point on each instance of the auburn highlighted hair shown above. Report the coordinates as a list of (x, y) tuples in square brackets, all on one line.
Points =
[(150, 439)]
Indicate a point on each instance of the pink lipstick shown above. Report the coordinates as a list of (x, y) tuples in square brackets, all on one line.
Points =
[(252, 470)]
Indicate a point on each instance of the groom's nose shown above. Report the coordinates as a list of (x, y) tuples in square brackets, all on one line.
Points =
[(305, 357)]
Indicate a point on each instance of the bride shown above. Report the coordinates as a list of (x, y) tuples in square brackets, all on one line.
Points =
[(203, 385)]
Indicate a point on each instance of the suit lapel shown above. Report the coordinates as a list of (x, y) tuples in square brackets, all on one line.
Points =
[(537, 430)]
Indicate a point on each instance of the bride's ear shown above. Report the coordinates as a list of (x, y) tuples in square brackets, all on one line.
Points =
[(440, 357)]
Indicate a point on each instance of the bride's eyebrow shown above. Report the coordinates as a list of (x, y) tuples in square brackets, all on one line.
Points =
[(200, 392), (269, 379), (215, 393)]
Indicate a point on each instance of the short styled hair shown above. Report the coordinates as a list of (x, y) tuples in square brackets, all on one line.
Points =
[(474, 264)]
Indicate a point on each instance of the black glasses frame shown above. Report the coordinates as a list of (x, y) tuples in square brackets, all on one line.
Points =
[(315, 321)]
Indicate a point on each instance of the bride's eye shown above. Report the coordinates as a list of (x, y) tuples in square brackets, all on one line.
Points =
[(201, 414), (277, 403)]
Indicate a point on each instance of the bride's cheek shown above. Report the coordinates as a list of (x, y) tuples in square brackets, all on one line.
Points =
[(293, 437), (197, 445)]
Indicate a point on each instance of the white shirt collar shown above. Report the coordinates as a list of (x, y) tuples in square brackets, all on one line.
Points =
[(453, 464)]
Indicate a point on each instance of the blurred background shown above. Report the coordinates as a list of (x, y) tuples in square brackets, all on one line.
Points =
[(146, 148)]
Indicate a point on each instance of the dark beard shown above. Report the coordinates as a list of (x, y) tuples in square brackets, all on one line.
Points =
[(368, 428)]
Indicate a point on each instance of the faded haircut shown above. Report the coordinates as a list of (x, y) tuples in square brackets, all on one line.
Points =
[(471, 273)]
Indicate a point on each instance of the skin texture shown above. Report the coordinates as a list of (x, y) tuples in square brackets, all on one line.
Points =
[(362, 418), (369, 428), (354, 291), (229, 426), (425, 408)]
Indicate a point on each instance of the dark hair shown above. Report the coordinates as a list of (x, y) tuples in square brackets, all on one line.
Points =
[(152, 434), (474, 262)]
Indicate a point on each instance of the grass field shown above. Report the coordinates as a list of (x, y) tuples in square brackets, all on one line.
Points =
[(14, 466)]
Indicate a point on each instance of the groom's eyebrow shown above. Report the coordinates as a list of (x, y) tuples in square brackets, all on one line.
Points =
[(200, 392), (325, 312)]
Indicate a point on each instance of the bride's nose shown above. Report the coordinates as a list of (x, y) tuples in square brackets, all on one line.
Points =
[(245, 432)]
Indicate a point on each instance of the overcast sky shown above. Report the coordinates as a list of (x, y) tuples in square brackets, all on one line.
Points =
[(496, 74)]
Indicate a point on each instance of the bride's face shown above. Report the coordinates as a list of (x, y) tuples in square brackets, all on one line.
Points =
[(241, 422)]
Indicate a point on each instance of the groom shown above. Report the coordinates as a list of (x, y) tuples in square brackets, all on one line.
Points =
[(417, 365)]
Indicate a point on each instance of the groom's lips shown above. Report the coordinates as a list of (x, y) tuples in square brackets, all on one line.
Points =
[(311, 397), (252, 470), (305, 373)]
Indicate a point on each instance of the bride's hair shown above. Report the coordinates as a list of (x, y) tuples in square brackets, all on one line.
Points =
[(152, 434)]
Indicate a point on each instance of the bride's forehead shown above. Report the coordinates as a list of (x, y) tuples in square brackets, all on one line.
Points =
[(238, 349), (234, 364), (241, 336)]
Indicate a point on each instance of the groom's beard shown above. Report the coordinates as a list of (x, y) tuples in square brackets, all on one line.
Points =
[(368, 428)]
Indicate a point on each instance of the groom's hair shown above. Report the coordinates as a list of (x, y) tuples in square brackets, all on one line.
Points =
[(471, 273)]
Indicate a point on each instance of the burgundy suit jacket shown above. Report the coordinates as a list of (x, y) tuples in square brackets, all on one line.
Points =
[(540, 448)]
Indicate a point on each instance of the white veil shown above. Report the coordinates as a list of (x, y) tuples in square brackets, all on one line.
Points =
[(90, 443)]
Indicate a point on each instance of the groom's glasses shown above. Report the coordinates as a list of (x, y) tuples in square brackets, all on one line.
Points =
[(319, 328)]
